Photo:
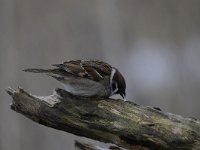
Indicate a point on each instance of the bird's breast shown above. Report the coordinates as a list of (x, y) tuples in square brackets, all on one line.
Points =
[(86, 87)]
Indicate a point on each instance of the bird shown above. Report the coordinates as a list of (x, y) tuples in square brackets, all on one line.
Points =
[(87, 78)]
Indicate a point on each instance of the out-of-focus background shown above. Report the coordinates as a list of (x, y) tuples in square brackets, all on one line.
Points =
[(154, 43)]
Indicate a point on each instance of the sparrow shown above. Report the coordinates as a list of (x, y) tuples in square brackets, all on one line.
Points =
[(88, 78)]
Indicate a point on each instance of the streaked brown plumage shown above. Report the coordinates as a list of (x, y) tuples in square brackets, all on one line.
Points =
[(90, 78)]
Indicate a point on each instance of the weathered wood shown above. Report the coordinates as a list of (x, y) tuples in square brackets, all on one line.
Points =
[(84, 146), (122, 123)]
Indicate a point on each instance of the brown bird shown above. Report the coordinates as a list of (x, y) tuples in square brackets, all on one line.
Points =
[(89, 78)]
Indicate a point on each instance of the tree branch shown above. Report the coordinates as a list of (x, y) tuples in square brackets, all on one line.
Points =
[(83, 146), (111, 121)]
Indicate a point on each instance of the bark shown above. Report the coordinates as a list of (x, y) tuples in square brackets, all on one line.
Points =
[(124, 124), (84, 146)]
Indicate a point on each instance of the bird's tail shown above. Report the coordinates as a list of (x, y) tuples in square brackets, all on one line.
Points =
[(57, 73), (39, 70)]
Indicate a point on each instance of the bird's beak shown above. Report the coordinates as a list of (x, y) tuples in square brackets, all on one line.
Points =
[(123, 95)]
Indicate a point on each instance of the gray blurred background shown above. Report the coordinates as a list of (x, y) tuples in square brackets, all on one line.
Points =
[(154, 43)]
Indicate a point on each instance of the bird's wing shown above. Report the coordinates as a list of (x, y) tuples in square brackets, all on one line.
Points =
[(91, 69)]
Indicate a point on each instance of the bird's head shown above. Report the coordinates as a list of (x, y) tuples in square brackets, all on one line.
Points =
[(118, 84)]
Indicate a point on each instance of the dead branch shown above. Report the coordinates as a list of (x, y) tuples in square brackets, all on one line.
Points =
[(122, 123)]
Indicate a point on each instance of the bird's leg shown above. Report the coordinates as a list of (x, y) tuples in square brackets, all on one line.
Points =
[(63, 93)]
